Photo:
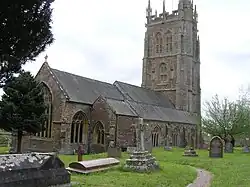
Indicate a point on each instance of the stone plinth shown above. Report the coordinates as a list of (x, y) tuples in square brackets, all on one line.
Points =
[(190, 152), (141, 161)]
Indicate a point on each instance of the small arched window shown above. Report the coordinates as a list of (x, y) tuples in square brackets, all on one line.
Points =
[(99, 137), (163, 72), (159, 43), (169, 45), (47, 131), (155, 136), (79, 128)]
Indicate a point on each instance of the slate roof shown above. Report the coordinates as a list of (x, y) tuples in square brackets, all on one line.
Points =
[(158, 113), (121, 107), (85, 90), (123, 98), (143, 95)]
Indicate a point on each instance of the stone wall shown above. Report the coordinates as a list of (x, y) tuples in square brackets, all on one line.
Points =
[(101, 113), (71, 108), (173, 130), (125, 131)]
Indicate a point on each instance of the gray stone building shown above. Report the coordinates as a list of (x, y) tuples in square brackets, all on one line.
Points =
[(90, 112)]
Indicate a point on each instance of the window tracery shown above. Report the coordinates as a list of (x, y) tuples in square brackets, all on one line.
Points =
[(47, 127), (159, 43), (155, 137), (169, 41), (163, 72), (99, 133), (79, 128)]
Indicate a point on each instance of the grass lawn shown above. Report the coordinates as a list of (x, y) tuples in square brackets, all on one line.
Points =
[(230, 171), (171, 174), (4, 150)]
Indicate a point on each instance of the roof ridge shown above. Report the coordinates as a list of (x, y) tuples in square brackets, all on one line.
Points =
[(87, 78)]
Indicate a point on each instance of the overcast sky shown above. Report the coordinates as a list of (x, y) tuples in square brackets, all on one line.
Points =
[(103, 39)]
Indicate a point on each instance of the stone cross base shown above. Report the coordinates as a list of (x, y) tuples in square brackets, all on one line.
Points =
[(190, 152), (141, 161)]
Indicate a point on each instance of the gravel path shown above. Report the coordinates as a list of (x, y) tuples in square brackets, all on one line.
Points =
[(203, 179)]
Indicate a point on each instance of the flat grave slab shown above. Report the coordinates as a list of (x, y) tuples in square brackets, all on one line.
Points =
[(91, 166), (33, 170)]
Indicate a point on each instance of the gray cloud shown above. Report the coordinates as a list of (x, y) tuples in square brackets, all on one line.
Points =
[(104, 40)]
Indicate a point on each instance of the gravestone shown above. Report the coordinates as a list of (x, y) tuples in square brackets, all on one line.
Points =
[(228, 147), (33, 170), (114, 151), (141, 160), (245, 149), (91, 166), (216, 147), (168, 146)]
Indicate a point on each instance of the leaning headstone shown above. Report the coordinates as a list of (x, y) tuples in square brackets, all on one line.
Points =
[(33, 170), (228, 147), (216, 147)]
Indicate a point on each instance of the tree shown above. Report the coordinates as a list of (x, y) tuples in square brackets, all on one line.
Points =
[(25, 31), (226, 118), (22, 108)]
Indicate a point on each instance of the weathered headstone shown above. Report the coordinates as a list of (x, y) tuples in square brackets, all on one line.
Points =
[(114, 151), (33, 170), (168, 146), (228, 147), (91, 166), (141, 160), (216, 147), (189, 151)]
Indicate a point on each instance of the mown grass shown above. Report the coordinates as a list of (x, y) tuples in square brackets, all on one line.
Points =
[(4, 150), (171, 174), (230, 171)]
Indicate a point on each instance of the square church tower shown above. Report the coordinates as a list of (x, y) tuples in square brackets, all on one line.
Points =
[(171, 62)]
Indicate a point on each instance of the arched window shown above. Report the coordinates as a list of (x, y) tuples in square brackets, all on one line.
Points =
[(158, 43), (46, 132), (79, 128), (175, 137), (99, 137), (155, 137), (163, 72), (169, 41)]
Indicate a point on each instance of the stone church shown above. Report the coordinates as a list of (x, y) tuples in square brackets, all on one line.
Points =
[(92, 113)]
